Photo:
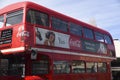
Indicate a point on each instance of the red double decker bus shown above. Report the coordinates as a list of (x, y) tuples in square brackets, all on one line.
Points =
[(37, 43)]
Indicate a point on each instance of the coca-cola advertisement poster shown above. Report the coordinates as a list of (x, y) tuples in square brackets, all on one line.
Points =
[(51, 38), (75, 43), (57, 39)]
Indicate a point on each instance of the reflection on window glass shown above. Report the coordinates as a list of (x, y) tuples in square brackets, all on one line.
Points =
[(78, 67), (61, 67), (88, 33), (102, 67), (75, 29), (36, 17), (91, 67), (14, 17), (59, 24), (1, 21), (11, 65), (99, 37), (107, 39)]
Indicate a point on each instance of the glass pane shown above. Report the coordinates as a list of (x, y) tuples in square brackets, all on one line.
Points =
[(78, 67), (3, 67), (14, 18), (40, 67), (99, 37), (59, 24), (88, 33), (91, 67), (112, 53), (36, 17), (102, 67), (75, 29), (11, 65), (107, 39), (31, 17), (61, 67), (1, 21)]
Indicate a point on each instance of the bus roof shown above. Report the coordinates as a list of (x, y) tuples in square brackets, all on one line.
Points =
[(51, 12)]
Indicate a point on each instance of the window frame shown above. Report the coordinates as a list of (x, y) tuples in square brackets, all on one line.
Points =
[(12, 65), (78, 64), (14, 14), (58, 67), (2, 24), (88, 33), (108, 39), (102, 69), (41, 69), (93, 68), (40, 59), (34, 11), (73, 26), (99, 35), (55, 20)]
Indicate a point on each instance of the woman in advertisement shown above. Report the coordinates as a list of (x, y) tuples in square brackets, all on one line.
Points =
[(50, 38), (45, 37)]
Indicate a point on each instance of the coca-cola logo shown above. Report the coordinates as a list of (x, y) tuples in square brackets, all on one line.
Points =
[(75, 43)]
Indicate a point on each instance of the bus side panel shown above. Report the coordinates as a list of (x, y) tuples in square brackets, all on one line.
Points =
[(71, 77), (31, 39), (104, 76), (10, 78), (93, 76)]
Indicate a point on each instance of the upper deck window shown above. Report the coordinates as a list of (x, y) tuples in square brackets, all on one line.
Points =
[(59, 24), (1, 21), (99, 37), (88, 33), (14, 17), (108, 39), (36, 17), (75, 29)]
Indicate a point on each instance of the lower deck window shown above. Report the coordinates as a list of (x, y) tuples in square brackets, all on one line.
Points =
[(78, 67), (11, 65), (61, 67), (91, 67), (40, 67), (102, 67)]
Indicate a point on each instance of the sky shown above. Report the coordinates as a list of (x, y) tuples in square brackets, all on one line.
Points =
[(106, 13)]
